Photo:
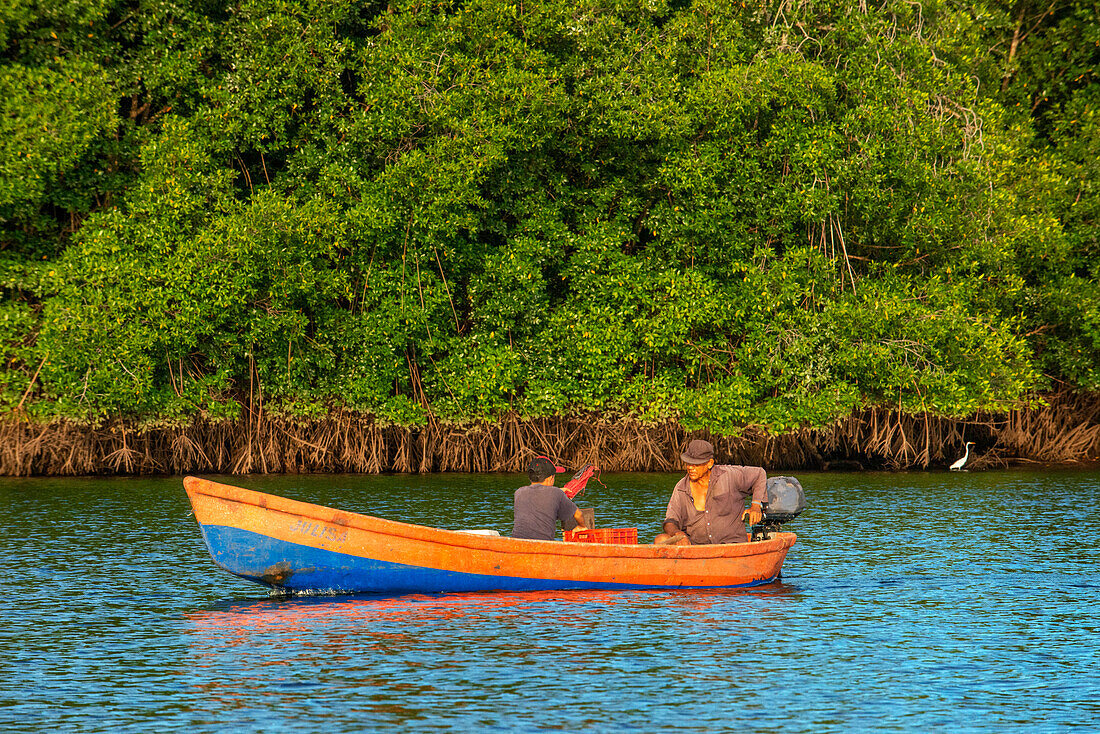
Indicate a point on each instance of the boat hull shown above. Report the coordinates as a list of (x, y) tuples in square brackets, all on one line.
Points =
[(298, 547)]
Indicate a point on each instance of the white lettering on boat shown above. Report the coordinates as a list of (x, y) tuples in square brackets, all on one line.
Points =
[(317, 530)]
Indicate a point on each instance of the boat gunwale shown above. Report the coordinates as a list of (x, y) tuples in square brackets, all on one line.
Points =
[(454, 538)]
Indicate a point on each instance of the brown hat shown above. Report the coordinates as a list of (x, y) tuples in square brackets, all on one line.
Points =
[(698, 452)]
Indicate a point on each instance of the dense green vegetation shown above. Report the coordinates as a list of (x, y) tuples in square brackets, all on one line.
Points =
[(720, 213)]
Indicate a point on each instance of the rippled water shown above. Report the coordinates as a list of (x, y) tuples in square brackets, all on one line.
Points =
[(940, 602)]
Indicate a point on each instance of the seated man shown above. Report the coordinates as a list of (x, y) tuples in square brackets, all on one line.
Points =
[(540, 505), (707, 505)]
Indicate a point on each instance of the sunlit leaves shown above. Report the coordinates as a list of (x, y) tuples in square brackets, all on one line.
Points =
[(49, 117)]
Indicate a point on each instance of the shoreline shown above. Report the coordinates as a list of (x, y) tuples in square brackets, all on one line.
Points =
[(1066, 432)]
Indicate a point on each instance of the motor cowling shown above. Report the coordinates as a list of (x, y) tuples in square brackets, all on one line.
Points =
[(786, 501)]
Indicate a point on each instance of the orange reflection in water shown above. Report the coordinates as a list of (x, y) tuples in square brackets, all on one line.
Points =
[(288, 613), (402, 647), (243, 619)]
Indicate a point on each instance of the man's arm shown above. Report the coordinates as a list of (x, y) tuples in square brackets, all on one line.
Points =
[(756, 480), (569, 512), (675, 516)]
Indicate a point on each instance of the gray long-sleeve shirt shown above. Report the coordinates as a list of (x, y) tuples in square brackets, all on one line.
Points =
[(720, 521)]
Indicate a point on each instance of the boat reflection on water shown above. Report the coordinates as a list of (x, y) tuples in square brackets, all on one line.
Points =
[(236, 620), (405, 656)]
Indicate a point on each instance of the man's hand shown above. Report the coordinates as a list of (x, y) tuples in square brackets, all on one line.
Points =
[(754, 514)]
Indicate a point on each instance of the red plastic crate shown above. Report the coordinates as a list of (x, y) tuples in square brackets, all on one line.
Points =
[(615, 536)]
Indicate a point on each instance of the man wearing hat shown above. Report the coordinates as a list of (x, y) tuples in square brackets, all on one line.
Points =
[(540, 505), (707, 505)]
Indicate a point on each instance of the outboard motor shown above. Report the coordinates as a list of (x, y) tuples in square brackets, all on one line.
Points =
[(786, 501)]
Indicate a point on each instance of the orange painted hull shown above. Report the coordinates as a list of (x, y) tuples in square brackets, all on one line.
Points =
[(298, 546)]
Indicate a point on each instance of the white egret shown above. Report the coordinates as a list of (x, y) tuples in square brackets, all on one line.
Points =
[(962, 462)]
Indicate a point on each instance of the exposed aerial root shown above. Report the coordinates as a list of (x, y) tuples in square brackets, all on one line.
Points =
[(1065, 429)]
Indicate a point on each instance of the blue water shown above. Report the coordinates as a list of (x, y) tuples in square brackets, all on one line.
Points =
[(911, 602)]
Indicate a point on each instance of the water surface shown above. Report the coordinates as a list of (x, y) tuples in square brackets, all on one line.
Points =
[(963, 602)]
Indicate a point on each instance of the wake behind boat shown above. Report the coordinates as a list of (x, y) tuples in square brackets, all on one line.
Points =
[(298, 547)]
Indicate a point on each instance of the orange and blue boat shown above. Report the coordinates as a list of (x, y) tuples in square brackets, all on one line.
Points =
[(299, 547)]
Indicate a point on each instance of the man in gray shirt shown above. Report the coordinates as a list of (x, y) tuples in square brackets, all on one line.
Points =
[(707, 505), (540, 505)]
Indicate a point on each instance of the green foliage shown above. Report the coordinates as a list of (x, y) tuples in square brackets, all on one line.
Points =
[(49, 117), (719, 214)]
